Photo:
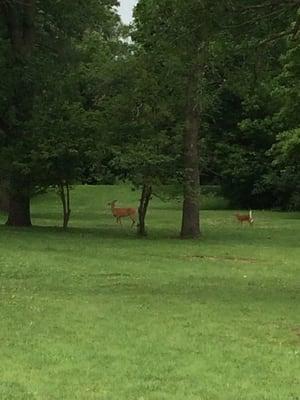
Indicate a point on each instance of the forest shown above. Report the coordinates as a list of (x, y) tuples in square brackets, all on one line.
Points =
[(190, 92)]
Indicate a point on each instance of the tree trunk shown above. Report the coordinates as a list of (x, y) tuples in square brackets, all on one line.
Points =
[(64, 193), (190, 217), (4, 203), (144, 202), (19, 210), (19, 19)]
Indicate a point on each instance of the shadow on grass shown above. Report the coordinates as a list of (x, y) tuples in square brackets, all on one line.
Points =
[(14, 391), (81, 216), (102, 233), (290, 216), (220, 235)]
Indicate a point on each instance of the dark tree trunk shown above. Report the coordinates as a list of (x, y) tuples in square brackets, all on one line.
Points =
[(144, 202), (19, 210), (19, 19), (28, 26), (4, 203), (64, 193), (190, 217)]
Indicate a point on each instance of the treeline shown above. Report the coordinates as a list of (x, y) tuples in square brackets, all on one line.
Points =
[(191, 91)]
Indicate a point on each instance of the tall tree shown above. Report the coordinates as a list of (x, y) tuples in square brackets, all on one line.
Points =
[(143, 146), (183, 38), (19, 19), (38, 41)]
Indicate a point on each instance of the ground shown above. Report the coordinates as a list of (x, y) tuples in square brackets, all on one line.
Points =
[(95, 313)]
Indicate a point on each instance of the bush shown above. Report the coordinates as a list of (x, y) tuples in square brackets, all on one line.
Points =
[(211, 201)]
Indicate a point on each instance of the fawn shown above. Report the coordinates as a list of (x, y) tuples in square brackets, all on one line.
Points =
[(245, 218), (122, 212)]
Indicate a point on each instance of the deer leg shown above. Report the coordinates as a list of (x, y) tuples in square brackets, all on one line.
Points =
[(133, 222)]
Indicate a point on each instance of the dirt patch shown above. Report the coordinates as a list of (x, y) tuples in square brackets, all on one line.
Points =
[(296, 330), (223, 258)]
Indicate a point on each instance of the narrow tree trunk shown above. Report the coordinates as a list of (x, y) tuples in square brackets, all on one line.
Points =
[(68, 204), (19, 17), (64, 193), (19, 210), (144, 202), (4, 203), (190, 217), (28, 25)]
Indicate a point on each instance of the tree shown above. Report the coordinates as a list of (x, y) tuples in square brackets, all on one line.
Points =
[(185, 40), (66, 148), (144, 148), (38, 41), (19, 21), (284, 178), (244, 125)]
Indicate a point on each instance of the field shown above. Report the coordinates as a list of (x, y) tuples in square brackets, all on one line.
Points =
[(95, 313)]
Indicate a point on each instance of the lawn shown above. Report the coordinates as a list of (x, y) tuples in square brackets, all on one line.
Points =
[(95, 313)]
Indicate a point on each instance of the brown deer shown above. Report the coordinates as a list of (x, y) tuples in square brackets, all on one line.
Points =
[(245, 218), (122, 212)]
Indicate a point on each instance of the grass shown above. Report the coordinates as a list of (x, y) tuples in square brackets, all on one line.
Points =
[(94, 313)]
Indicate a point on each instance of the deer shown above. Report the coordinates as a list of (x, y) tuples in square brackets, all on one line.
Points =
[(123, 212), (245, 218)]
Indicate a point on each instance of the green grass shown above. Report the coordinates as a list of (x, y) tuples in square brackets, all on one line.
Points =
[(94, 313)]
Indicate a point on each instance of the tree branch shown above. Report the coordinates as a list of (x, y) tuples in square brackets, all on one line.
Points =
[(272, 4), (278, 36)]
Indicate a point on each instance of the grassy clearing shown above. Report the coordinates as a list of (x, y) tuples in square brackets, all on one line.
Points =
[(94, 313)]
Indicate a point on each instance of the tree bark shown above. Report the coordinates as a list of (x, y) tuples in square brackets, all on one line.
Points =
[(143, 207), (190, 227), (28, 26), (64, 193), (19, 210), (19, 19), (4, 203)]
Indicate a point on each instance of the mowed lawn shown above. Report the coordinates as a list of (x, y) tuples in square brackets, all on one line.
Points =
[(95, 313)]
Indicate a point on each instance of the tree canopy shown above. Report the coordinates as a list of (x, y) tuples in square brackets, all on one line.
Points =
[(193, 92)]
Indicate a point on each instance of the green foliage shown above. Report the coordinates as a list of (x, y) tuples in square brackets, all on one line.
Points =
[(286, 169), (49, 121), (284, 178), (255, 106), (65, 142), (142, 126), (81, 102)]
